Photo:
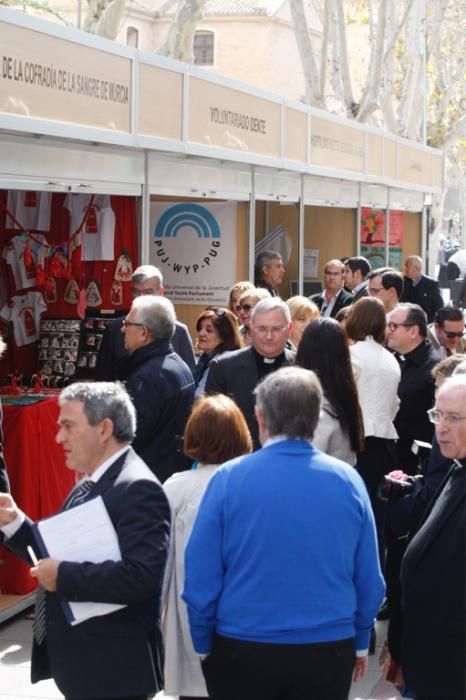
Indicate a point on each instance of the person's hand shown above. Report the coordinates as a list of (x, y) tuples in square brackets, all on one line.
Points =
[(46, 573), (8, 509), (398, 475), (361, 665)]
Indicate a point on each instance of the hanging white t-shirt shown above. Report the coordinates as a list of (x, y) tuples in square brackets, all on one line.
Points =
[(25, 313), (31, 209), (98, 232), (13, 253)]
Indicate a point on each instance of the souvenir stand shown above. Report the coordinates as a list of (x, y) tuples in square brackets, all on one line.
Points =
[(57, 277), (111, 157)]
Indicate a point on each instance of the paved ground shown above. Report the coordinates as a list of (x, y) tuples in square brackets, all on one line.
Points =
[(15, 651)]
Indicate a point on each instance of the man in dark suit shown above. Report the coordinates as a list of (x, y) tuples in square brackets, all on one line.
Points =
[(333, 297), (160, 384), (113, 360), (355, 278), (118, 655), (421, 289), (237, 373), (407, 336), (433, 570)]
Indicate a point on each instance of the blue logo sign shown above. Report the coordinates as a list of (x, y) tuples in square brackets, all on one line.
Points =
[(175, 251), (188, 215)]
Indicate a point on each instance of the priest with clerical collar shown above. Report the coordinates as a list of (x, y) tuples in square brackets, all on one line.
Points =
[(237, 373)]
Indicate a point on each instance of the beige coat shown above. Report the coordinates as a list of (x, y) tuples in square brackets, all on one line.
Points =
[(183, 675)]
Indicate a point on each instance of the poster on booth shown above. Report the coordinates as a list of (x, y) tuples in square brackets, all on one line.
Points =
[(194, 245), (372, 236)]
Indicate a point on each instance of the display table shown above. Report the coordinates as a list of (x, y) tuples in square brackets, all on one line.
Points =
[(39, 478)]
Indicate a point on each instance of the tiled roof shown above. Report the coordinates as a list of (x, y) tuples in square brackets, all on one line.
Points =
[(224, 7)]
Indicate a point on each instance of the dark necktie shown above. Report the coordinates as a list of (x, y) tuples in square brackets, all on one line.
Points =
[(77, 496)]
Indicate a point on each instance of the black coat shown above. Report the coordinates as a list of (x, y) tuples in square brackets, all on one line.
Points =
[(120, 653), (416, 391), (113, 360), (235, 374), (344, 298), (161, 386), (403, 514), (360, 294), (426, 293), (433, 596)]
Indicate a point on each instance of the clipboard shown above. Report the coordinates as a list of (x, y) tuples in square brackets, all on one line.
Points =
[(84, 533)]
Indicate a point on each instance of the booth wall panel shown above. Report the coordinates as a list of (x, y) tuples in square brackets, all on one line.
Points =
[(332, 231), (412, 224)]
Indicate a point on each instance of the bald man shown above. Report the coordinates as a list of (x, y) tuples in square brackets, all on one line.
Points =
[(421, 289)]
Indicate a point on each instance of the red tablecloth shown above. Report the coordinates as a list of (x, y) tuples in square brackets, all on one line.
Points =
[(39, 478)]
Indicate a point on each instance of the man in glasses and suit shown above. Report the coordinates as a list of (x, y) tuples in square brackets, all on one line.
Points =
[(433, 581), (118, 655), (160, 384), (113, 359), (447, 332), (334, 297), (237, 373), (407, 336)]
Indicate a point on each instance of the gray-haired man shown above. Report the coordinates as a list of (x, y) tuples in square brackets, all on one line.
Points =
[(160, 384), (282, 573), (237, 373), (116, 655), (113, 360)]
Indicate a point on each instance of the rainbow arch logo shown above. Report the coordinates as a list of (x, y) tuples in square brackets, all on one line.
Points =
[(187, 216)]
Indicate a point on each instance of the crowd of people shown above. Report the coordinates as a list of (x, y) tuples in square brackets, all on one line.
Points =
[(270, 499)]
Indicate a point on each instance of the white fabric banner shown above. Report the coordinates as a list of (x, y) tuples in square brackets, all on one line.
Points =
[(194, 245)]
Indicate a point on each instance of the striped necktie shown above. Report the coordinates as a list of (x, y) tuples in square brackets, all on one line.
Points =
[(77, 496)]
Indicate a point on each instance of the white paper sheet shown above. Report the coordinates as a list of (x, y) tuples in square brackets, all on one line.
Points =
[(82, 533)]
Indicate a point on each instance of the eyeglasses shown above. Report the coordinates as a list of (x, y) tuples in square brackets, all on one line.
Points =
[(451, 334), (393, 326), (273, 330), (435, 416), (125, 323), (244, 307)]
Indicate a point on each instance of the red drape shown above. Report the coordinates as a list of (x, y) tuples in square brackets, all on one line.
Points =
[(40, 480)]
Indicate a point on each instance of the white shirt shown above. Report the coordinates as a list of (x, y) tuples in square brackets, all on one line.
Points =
[(377, 375), (98, 231), (13, 253), (31, 209), (25, 312)]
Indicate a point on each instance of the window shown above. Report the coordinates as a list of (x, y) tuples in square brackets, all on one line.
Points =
[(203, 48), (132, 37)]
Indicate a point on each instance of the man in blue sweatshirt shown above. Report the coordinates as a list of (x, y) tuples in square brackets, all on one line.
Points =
[(282, 575)]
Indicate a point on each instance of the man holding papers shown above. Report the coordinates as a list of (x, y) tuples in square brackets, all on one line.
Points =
[(118, 654)]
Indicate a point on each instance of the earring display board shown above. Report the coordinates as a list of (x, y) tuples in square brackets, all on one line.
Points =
[(92, 332), (58, 350)]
